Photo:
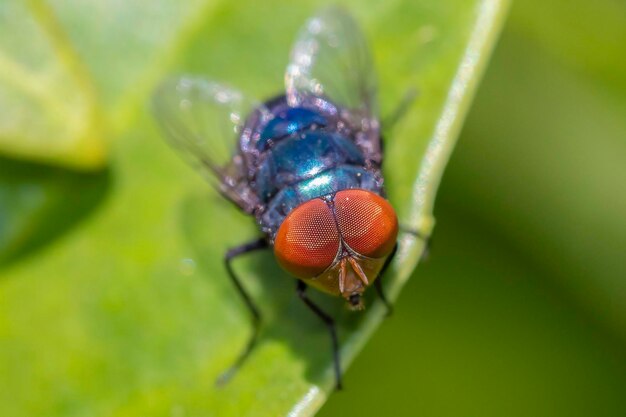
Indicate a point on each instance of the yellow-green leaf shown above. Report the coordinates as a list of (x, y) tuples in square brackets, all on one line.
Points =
[(132, 313)]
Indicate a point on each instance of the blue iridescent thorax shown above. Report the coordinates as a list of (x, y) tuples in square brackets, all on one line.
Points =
[(303, 153)]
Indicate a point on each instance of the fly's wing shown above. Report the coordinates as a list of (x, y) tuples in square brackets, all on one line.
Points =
[(203, 120), (331, 59)]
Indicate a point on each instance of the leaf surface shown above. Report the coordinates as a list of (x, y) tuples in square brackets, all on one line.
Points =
[(132, 313)]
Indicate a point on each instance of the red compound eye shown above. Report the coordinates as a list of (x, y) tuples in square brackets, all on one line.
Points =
[(367, 222), (307, 241)]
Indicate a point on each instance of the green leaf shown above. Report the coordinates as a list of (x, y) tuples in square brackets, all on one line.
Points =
[(130, 312), (555, 182), (50, 110)]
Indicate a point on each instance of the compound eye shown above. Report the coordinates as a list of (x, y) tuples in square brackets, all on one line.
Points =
[(367, 222), (307, 241)]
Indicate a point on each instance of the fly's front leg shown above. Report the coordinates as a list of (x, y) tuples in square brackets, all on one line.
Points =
[(378, 284), (401, 109), (392, 119), (330, 324), (254, 311)]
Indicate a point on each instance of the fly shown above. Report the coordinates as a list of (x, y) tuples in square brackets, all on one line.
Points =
[(305, 164)]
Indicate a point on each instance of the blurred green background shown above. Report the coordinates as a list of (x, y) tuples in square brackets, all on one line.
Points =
[(521, 309)]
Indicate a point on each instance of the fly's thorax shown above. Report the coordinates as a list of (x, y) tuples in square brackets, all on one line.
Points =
[(312, 164), (272, 215), (338, 243), (294, 154)]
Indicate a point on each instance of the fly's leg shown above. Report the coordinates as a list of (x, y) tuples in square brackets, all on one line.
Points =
[(254, 311), (330, 324), (400, 111), (378, 283)]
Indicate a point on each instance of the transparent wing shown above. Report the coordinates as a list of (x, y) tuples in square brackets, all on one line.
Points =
[(204, 120), (331, 59)]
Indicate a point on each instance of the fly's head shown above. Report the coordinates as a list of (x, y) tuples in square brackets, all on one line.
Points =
[(339, 244)]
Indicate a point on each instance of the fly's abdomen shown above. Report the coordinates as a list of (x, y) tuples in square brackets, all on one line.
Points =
[(288, 122)]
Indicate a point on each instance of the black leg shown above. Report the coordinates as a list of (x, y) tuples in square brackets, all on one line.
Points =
[(254, 311), (378, 283), (330, 323), (393, 118), (400, 111), (427, 248)]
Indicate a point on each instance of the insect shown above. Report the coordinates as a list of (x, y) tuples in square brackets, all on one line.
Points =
[(306, 165)]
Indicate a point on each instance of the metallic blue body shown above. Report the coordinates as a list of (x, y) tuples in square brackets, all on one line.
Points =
[(301, 154), (292, 121)]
